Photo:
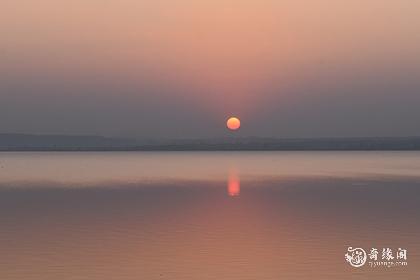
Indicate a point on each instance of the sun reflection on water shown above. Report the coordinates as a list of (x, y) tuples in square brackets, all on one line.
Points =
[(234, 185)]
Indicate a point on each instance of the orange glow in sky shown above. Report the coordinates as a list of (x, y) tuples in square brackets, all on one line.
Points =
[(274, 63)]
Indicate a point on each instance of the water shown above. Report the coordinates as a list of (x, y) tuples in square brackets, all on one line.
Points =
[(210, 215)]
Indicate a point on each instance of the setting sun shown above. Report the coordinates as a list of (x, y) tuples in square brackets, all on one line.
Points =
[(233, 123)]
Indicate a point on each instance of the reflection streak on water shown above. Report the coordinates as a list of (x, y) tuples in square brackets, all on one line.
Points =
[(234, 185)]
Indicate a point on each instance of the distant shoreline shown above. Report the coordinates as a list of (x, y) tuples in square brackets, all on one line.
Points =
[(49, 143), (207, 150)]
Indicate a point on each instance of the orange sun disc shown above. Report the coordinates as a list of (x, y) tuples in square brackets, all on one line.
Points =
[(233, 123)]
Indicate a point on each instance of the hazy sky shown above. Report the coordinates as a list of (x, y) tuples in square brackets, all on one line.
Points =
[(179, 68)]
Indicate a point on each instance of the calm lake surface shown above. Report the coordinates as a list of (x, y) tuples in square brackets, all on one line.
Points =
[(206, 215)]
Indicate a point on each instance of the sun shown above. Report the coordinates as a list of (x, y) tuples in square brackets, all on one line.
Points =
[(233, 123)]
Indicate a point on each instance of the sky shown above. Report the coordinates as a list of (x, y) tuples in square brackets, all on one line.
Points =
[(178, 69)]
